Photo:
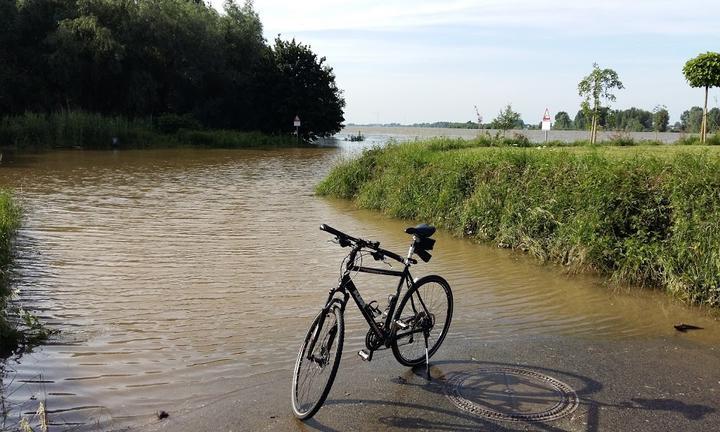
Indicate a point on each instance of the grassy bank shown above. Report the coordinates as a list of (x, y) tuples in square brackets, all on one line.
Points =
[(645, 216), (9, 222), (75, 129)]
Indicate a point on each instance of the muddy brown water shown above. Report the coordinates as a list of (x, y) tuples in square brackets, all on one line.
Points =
[(174, 275)]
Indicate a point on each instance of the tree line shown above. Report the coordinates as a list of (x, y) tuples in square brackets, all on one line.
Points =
[(640, 120), (597, 91), (145, 58)]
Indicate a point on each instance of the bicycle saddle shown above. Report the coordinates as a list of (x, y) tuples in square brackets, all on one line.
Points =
[(422, 230)]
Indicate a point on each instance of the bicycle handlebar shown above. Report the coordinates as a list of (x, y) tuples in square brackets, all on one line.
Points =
[(360, 243)]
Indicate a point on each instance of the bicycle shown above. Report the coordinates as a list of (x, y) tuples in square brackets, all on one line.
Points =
[(425, 310)]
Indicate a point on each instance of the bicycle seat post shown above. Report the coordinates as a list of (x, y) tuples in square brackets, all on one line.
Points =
[(411, 251)]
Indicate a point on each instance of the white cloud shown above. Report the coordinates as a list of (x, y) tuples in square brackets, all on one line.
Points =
[(576, 17), (423, 60)]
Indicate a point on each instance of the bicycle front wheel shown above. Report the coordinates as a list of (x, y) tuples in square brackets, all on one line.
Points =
[(426, 308), (315, 370)]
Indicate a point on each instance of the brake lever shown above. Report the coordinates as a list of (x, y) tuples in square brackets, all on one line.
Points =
[(379, 256)]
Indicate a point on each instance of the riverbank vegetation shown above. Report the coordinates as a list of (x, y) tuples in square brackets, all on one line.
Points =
[(615, 120), (146, 58), (9, 222), (642, 215), (77, 129)]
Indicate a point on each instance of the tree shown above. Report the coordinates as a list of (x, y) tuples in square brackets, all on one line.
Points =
[(580, 122), (304, 86), (713, 120), (691, 119), (595, 88), (507, 119), (703, 71), (661, 118), (562, 121), (144, 58)]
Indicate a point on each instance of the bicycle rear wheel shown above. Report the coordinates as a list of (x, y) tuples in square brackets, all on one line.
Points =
[(315, 371), (426, 307)]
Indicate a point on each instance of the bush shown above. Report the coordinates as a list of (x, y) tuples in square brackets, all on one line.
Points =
[(641, 218), (170, 123), (77, 129)]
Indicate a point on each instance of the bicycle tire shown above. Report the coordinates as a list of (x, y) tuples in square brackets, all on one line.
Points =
[(432, 293), (306, 397)]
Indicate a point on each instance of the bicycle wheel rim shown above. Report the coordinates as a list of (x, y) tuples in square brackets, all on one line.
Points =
[(312, 379), (434, 295)]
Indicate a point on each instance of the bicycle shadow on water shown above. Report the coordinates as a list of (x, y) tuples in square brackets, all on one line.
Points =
[(491, 393)]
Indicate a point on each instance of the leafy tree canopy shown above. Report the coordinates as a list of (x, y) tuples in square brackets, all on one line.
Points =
[(562, 121), (703, 70), (595, 88), (144, 58)]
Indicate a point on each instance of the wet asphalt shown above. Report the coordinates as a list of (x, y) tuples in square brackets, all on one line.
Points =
[(663, 384)]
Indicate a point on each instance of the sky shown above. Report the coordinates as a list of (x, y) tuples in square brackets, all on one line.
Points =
[(425, 61)]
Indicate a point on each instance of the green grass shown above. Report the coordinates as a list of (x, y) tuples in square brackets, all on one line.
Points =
[(9, 222), (644, 215), (77, 129)]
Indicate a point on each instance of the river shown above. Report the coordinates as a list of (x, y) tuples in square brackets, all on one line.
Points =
[(174, 275)]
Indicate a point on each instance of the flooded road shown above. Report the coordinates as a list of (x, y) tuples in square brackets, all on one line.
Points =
[(174, 276)]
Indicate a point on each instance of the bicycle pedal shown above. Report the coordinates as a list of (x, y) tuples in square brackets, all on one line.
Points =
[(365, 355)]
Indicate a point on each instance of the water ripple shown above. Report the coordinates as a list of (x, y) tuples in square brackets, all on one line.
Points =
[(171, 271)]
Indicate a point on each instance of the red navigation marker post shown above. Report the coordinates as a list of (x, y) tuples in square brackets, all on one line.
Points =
[(296, 123), (546, 123)]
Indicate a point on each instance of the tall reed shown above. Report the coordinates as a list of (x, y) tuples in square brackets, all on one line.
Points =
[(78, 129), (9, 222)]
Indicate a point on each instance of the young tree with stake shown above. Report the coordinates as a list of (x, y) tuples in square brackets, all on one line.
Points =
[(703, 71), (594, 88)]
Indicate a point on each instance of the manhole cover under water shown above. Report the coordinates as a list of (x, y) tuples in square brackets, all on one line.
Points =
[(511, 394)]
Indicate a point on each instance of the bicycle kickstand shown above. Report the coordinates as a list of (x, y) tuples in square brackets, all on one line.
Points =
[(426, 335)]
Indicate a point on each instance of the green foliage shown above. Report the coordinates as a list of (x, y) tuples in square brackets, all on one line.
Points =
[(595, 88), (171, 123), (691, 119), (507, 119), (644, 218), (703, 70), (144, 57), (76, 129), (713, 140), (305, 87), (661, 118), (580, 122), (629, 120), (562, 121), (9, 222), (448, 125), (713, 119)]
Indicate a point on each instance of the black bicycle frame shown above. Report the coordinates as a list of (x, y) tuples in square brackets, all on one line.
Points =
[(347, 288)]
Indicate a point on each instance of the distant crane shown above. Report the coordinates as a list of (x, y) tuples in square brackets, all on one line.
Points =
[(479, 117)]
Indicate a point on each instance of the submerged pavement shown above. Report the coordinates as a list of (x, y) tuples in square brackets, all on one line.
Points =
[(662, 384)]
